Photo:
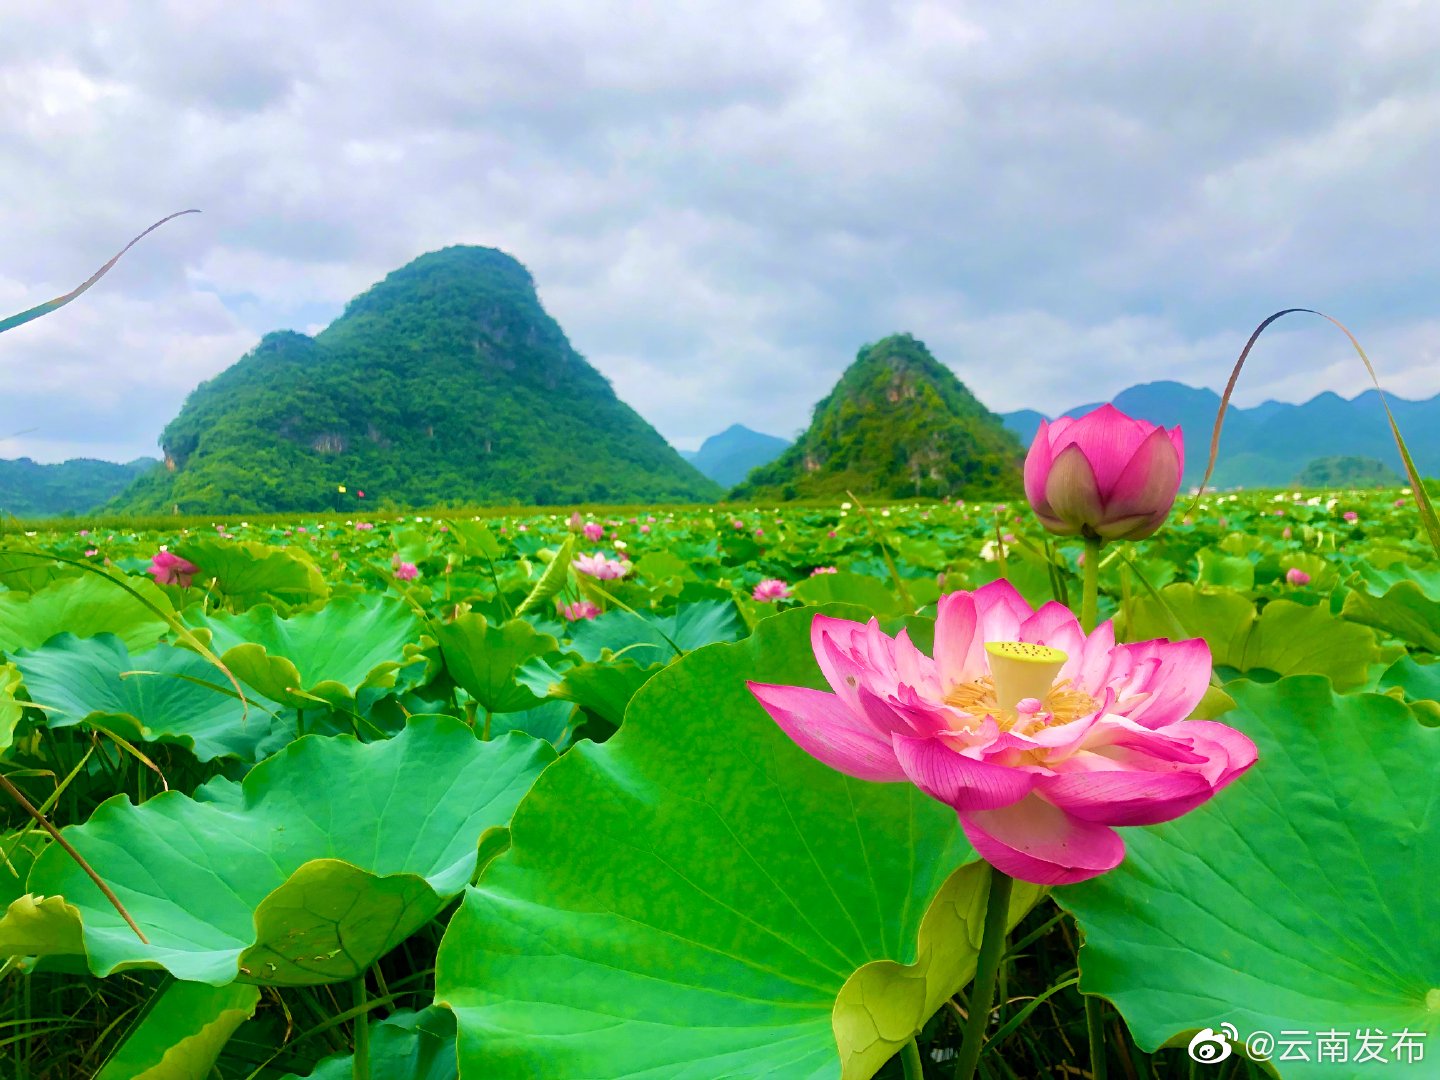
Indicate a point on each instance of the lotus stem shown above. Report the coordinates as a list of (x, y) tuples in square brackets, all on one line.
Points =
[(982, 990), (910, 1058), (1095, 1032), (1090, 601), (361, 1070)]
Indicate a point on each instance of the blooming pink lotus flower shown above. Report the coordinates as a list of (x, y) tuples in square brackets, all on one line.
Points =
[(1041, 738), (364, 526), (1296, 576), (593, 530), (825, 570), (770, 590), (1351, 516), (598, 566), (645, 529), (581, 609), (406, 571), (1105, 474), (1397, 504), (170, 569), (90, 553)]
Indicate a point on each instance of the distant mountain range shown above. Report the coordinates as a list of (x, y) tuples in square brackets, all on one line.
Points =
[(1271, 444), (29, 489), (728, 457)]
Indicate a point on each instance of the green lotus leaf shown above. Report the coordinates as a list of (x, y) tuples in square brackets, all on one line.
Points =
[(182, 1033), (349, 645), (645, 637), (552, 721), (844, 587), (22, 571), (1399, 601), (1225, 571), (727, 906), (1285, 638), (84, 606), (18, 852), (483, 659), (1419, 684), (11, 710), (332, 853), (403, 1046), (249, 572), (604, 689), (1296, 900), (167, 694)]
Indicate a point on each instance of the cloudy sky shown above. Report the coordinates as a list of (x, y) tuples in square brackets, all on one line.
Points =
[(722, 202)]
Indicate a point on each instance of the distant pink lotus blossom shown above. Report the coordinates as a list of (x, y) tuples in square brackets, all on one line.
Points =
[(759, 531), (645, 529), (90, 553), (1105, 474), (406, 571), (581, 609), (770, 590), (301, 529), (575, 521), (824, 570), (1286, 533), (169, 569), (594, 530), (1351, 516), (1296, 576), (86, 532), (364, 526), (739, 525), (600, 567), (1397, 504), (832, 534), (1041, 738)]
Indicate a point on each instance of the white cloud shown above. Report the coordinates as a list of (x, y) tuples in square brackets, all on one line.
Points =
[(722, 202)]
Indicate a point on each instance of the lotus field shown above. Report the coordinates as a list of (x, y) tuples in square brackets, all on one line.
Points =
[(707, 793)]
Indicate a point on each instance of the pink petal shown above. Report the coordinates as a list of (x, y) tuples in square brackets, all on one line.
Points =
[(824, 728), (1034, 840), (1037, 468), (1055, 625), (1001, 610), (959, 650), (1109, 440), (1148, 482), (1071, 489), (1176, 683), (1125, 796), (1230, 752), (962, 782)]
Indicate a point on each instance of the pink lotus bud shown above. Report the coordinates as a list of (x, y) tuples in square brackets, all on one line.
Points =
[(1285, 533), (1296, 576), (644, 528), (575, 521), (594, 530), (1104, 475)]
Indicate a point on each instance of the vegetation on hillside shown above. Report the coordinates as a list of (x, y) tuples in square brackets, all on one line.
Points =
[(898, 424), (1346, 471), (29, 489), (447, 383)]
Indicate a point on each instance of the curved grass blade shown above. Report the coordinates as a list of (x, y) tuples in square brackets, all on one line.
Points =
[(60, 301), (1422, 498)]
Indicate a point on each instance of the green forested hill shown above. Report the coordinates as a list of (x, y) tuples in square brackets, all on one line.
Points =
[(30, 489), (898, 424), (447, 383)]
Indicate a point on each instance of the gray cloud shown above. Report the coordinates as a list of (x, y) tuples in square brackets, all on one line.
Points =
[(722, 202)]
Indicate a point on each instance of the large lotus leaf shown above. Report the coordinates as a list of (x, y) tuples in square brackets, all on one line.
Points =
[(249, 572), (1224, 571), (1419, 683), (646, 638), (167, 694), (333, 852), (1286, 638), (1301, 898), (21, 570), (483, 659), (84, 606), (604, 689), (403, 1046), (183, 1032), (349, 645), (1399, 601), (724, 906)]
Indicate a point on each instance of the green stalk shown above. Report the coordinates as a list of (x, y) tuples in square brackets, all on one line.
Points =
[(910, 1058), (1090, 602), (1095, 1032), (982, 990), (362, 1032)]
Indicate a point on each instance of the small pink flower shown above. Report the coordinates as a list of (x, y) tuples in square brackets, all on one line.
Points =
[(594, 530), (574, 521), (770, 590), (301, 529), (739, 525), (364, 526), (645, 529), (1042, 738), (1351, 516), (1398, 504), (168, 569), (86, 532), (90, 553), (522, 528), (759, 532), (407, 571), (832, 534), (581, 609), (824, 570), (1223, 522), (1286, 533), (1296, 576), (601, 568)]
